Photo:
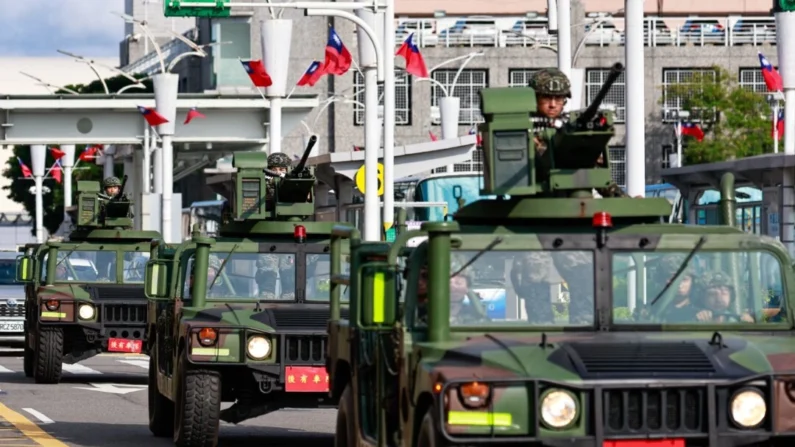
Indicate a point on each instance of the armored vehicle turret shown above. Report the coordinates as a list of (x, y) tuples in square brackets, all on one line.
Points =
[(242, 318), (85, 295), (617, 327)]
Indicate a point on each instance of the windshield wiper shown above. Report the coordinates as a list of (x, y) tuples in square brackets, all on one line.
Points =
[(681, 269), (488, 248), (69, 254), (223, 264)]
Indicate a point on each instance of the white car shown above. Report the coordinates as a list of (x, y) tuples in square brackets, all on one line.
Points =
[(12, 298)]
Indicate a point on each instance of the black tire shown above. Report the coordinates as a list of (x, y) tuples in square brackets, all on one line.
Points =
[(345, 434), (428, 435), (48, 356), (28, 358), (161, 409), (197, 407)]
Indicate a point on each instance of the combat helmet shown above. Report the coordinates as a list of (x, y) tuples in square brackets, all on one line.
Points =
[(111, 181), (669, 264), (551, 82), (278, 160), (716, 279)]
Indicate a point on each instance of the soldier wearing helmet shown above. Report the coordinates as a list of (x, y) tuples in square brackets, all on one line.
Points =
[(279, 163), (112, 186), (531, 275), (273, 268), (681, 308), (460, 282), (719, 300), (552, 88), (213, 267)]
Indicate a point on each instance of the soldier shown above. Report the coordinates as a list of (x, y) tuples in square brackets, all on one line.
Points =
[(272, 267), (112, 185), (460, 313), (719, 300), (681, 308), (278, 162), (576, 268), (552, 88), (212, 271), (531, 276)]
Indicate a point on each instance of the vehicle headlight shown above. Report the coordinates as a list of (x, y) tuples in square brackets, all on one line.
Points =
[(748, 408), (86, 311), (259, 347), (558, 409)]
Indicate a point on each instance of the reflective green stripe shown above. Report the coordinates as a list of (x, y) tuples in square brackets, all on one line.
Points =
[(209, 351), (378, 297), (479, 418), (53, 314)]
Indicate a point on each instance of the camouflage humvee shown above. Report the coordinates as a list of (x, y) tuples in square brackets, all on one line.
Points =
[(669, 335), (241, 318), (85, 295)]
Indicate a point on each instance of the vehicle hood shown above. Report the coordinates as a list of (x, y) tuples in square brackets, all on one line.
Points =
[(63, 291), (580, 357), (267, 318), (12, 291)]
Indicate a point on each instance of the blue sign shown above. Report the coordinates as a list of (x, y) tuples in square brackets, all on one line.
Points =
[(493, 301)]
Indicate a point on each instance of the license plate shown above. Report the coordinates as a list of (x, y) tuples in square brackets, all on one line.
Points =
[(124, 345), (11, 326), (645, 443), (305, 379)]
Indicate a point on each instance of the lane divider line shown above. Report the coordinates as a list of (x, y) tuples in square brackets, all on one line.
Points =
[(139, 363), (77, 368), (38, 415), (3, 369), (29, 429)]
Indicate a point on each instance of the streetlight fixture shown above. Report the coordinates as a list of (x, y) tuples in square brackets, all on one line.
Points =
[(92, 65), (52, 87)]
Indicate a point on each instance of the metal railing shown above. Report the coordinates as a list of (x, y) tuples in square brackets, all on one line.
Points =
[(149, 64)]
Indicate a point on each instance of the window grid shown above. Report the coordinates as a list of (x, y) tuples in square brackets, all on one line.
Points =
[(618, 165), (667, 151), (677, 76), (402, 99), (751, 79), (520, 77), (594, 78), (467, 88), (475, 164)]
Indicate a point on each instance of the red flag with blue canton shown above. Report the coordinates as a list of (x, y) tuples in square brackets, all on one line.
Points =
[(56, 171), (338, 58), (312, 74), (692, 130), (779, 125), (771, 76), (57, 153), (473, 131), (193, 113), (87, 154), (257, 74), (415, 64), (151, 116), (25, 170)]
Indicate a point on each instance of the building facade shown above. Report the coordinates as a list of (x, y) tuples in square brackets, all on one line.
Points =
[(508, 42)]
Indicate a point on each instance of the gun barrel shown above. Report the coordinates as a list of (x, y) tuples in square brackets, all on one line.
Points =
[(302, 163), (612, 77), (121, 188)]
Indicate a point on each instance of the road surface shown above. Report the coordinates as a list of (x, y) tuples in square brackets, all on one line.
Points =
[(102, 402)]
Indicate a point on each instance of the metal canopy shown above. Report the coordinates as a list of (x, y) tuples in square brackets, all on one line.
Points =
[(236, 120), (762, 171)]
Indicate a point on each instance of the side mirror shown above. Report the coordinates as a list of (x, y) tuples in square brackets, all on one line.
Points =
[(25, 268), (155, 281), (377, 296)]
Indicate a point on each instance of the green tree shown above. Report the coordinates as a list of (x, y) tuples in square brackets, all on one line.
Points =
[(737, 122), (19, 189)]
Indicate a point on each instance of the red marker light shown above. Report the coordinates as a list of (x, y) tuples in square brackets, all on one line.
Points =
[(299, 233), (602, 220)]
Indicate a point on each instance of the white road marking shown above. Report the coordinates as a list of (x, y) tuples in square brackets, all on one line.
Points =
[(3, 369), (42, 418), (79, 369), (139, 363)]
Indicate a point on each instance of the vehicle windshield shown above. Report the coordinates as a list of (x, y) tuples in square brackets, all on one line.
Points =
[(520, 288), (248, 276), (8, 272), (83, 266), (318, 278), (135, 266), (714, 287)]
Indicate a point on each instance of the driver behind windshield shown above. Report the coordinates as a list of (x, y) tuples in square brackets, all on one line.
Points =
[(719, 299), (460, 312), (272, 267), (212, 272), (681, 308)]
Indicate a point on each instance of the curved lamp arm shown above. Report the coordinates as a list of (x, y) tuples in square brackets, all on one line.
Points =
[(436, 83), (127, 87), (177, 59), (94, 69), (460, 69)]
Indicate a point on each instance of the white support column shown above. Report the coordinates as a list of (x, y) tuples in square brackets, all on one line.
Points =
[(107, 161), (146, 163), (137, 188), (38, 154), (449, 109), (636, 113), (368, 64), (785, 41), (156, 155), (389, 113), (276, 38), (564, 36), (166, 89), (67, 162)]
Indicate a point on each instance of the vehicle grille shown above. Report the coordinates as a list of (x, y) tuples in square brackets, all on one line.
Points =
[(8, 311), (654, 411), (304, 349), (123, 314), (642, 359)]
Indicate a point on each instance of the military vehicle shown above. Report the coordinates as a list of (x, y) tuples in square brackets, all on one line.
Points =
[(242, 318), (85, 295), (671, 335)]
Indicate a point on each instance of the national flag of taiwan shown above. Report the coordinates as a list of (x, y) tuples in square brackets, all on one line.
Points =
[(473, 131), (693, 130), (433, 136), (257, 74), (338, 58), (772, 77), (88, 153), (57, 153), (151, 116), (193, 113), (779, 125), (415, 64), (56, 171), (25, 170), (312, 74)]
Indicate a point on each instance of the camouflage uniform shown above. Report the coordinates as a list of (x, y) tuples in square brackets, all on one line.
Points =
[(108, 183), (531, 274), (275, 160), (549, 82), (269, 268), (467, 313), (219, 288), (576, 268)]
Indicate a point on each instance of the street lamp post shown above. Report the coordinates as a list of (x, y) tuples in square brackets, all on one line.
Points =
[(38, 154), (52, 87), (67, 162), (276, 38), (785, 42), (635, 94), (774, 100), (680, 115)]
